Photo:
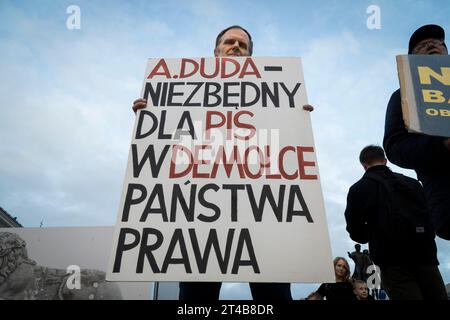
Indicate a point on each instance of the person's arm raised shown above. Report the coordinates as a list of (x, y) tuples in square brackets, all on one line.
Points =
[(139, 104), (308, 107)]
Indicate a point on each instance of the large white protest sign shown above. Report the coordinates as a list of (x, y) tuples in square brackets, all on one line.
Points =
[(222, 182)]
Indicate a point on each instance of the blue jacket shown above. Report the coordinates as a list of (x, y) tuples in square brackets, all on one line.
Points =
[(428, 156)]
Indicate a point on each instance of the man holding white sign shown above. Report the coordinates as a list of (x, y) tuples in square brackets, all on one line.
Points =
[(232, 42)]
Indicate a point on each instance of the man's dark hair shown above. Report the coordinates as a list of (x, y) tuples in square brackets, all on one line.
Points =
[(371, 154), (219, 36)]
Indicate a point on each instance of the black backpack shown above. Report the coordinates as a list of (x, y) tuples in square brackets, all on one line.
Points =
[(403, 212)]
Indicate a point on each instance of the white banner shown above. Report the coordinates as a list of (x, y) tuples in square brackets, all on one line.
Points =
[(222, 182)]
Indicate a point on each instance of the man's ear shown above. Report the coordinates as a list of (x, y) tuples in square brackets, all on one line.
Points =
[(216, 52), (385, 162)]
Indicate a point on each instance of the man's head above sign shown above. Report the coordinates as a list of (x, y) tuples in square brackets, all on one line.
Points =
[(233, 41), (428, 40)]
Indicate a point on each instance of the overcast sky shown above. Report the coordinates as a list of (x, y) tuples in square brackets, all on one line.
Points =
[(65, 95)]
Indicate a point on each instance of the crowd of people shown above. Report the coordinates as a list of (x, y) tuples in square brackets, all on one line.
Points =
[(396, 215), (344, 288)]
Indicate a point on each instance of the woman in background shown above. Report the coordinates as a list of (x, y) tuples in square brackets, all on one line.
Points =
[(342, 289)]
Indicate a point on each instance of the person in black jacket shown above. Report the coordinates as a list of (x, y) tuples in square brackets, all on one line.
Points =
[(429, 156), (342, 289), (377, 213)]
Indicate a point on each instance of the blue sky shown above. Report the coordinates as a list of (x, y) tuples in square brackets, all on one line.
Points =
[(66, 95)]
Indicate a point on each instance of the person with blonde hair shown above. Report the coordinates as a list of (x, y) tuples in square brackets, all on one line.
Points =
[(342, 289)]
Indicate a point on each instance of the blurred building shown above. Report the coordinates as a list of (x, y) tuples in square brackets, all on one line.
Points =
[(7, 221)]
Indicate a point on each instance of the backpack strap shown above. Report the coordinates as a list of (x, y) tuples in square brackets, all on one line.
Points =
[(386, 186)]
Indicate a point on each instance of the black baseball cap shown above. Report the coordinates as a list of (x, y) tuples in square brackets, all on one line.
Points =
[(432, 31)]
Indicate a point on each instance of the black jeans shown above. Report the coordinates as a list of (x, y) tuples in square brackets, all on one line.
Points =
[(209, 291), (413, 283)]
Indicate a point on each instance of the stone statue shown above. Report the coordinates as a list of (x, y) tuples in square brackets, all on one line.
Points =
[(22, 279), (367, 263), (358, 257)]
